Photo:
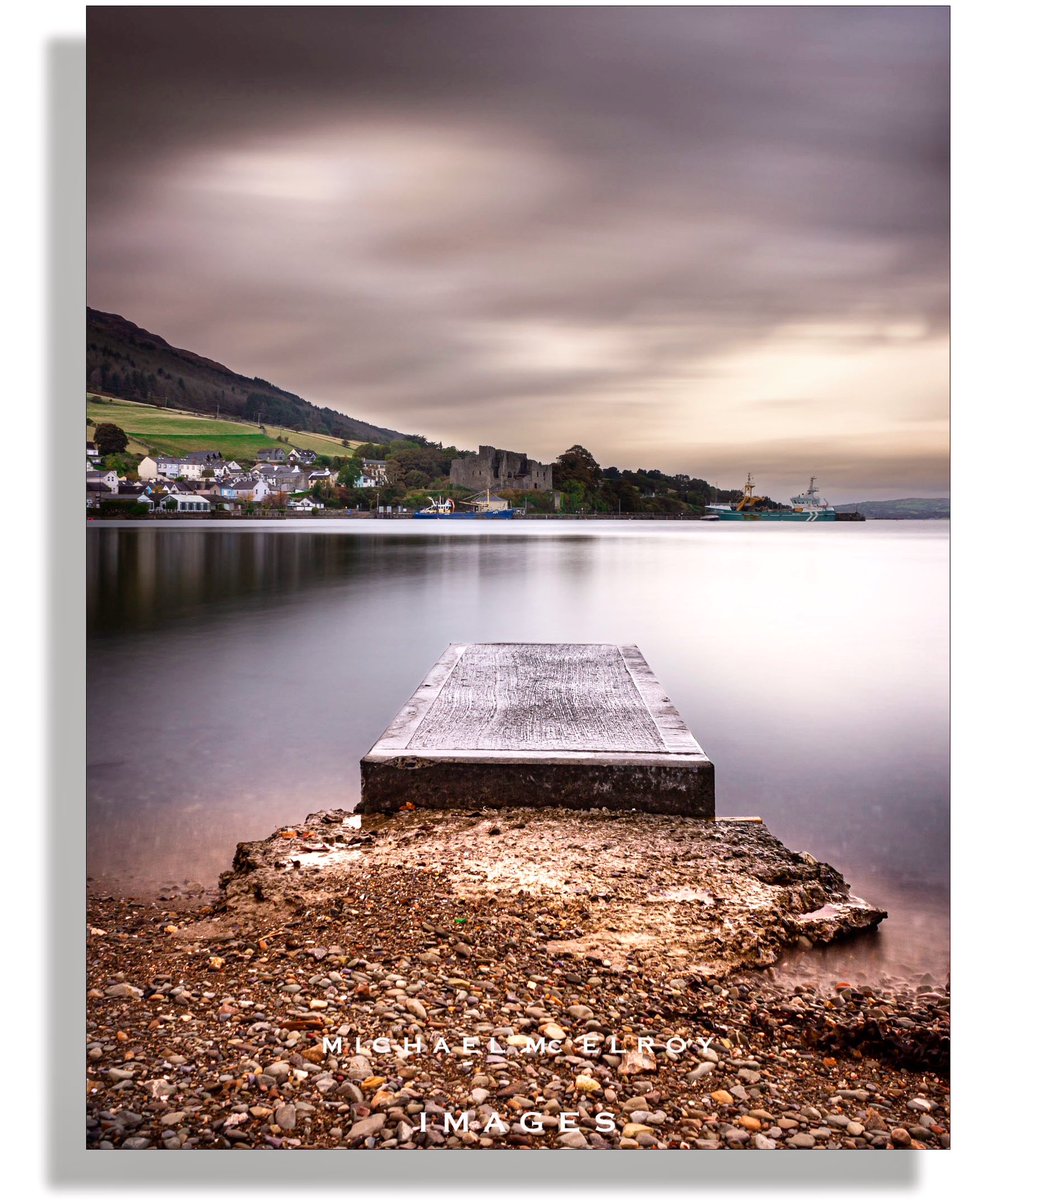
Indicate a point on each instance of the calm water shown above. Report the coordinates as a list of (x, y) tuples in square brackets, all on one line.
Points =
[(236, 676)]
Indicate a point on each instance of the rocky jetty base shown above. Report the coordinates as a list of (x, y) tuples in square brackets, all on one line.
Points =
[(511, 979)]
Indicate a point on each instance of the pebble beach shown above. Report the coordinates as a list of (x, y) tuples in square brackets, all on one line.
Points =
[(419, 983)]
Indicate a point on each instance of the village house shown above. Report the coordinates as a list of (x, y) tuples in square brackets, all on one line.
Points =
[(245, 488), (176, 502), (321, 476), (165, 487), (110, 479), (130, 498), (305, 504), (304, 457), (163, 466), (281, 479), (223, 469), (125, 493), (272, 454), (374, 473), (93, 455), (220, 503)]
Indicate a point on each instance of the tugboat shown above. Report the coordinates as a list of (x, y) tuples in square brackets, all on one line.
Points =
[(809, 506), (439, 509)]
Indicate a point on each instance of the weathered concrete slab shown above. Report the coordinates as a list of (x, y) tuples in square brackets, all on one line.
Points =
[(539, 725)]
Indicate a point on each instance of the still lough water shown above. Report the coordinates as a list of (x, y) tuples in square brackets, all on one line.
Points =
[(237, 674)]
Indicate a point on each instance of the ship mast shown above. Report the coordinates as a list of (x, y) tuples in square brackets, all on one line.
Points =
[(748, 499)]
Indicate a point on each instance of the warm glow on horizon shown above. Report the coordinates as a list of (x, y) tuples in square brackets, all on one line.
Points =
[(695, 239)]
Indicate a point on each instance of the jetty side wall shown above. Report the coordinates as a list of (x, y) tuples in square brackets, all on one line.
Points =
[(683, 790)]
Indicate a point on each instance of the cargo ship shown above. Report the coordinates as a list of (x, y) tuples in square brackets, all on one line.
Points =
[(809, 506), (487, 508)]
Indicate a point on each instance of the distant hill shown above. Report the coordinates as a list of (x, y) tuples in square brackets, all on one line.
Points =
[(131, 363), (917, 509)]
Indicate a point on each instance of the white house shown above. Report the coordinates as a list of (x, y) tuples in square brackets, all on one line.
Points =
[(183, 468), (245, 488), (164, 466), (304, 504), (175, 502), (110, 479)]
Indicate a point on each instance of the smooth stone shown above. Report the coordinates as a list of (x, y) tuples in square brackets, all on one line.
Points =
[(366, 1128), (572, 1140)]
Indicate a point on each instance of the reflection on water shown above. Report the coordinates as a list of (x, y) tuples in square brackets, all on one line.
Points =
[(236, 676)]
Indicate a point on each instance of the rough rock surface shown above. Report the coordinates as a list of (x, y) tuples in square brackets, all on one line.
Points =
[(669, 894)]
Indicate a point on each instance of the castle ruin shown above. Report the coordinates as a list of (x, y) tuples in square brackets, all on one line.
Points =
[(500, 470)]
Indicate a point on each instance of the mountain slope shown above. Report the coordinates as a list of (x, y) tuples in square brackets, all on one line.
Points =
[(134, 364)]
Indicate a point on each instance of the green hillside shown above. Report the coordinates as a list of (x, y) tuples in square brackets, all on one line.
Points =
[(125, 360), (171, 431)]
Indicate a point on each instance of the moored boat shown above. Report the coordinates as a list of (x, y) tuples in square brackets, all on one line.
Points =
[(809, 506), (485, 508)]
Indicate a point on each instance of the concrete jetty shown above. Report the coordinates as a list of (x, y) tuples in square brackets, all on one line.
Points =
[(542, 725)]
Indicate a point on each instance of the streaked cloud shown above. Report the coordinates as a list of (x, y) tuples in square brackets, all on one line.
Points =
[(703, 239)]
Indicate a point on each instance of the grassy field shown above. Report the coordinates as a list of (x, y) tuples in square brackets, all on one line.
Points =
[(172, 431)]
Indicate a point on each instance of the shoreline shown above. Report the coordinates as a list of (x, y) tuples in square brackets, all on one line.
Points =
[(316, 518), (207, 1015)]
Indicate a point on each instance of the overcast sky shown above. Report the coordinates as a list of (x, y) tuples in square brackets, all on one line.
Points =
[(708, 240)]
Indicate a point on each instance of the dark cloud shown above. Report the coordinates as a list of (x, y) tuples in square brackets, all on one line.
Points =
[(469, 221)]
